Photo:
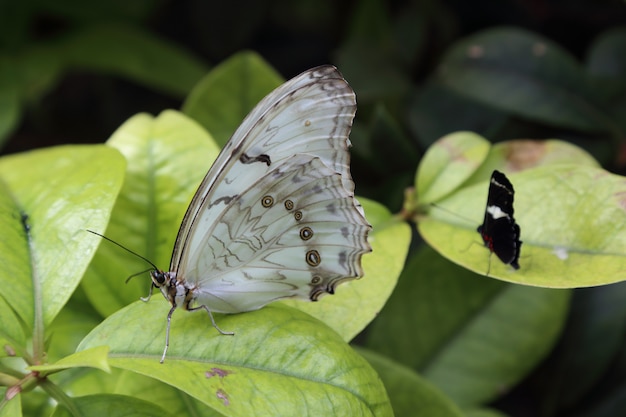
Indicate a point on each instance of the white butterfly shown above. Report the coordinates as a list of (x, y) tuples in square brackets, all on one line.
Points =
[(275, 216)]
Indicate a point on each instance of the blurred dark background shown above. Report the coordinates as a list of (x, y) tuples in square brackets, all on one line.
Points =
[(77, 99)]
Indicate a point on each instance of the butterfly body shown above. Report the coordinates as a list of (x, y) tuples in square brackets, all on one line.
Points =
[(499, 231), (275, 217)]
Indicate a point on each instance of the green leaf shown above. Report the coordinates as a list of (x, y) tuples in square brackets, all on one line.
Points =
[(38, 71), (135, 54), (35, 403), (606, 56), (108, 405), (464, 158), (167, 158), (436, 110), (491, 343), (579, 364), (449, 163), (95, 358), (280, 361), (12, 337), (12, 407), (606, 62), (470, 336), (226, 95), (516, 70), (163, 395), (16, 269), (450, 226), (56, 194), (390, 239), (569, 217), (517, 155), (81, 383), (410, 394)]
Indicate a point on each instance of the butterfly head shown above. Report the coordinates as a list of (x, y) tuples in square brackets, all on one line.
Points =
[(161, 279), (175, 291)]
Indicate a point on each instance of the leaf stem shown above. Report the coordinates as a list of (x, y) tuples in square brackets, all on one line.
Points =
[(7, 380), (60, 396)]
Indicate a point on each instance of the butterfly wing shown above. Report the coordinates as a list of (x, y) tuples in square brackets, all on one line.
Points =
[(499, 231), (294, 233), (226, 247)]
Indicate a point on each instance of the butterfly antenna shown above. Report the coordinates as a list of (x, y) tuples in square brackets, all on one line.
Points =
[(136, 274), (127, 250)]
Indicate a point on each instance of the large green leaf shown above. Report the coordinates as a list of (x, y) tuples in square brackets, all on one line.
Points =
[(470, 336), (226, 95), (568, 210), (527, 75), (279, 362), (55, 194), (571, 227)]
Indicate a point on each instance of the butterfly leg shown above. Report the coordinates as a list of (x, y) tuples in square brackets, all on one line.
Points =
[(146, 299), (212, 320), (167, 330)]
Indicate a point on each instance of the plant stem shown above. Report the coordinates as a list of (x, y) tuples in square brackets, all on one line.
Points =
[(59, 395)]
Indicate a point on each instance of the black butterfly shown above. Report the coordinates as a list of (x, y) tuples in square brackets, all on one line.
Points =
[(499, 231)]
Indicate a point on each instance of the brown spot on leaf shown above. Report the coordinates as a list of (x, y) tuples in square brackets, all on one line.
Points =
[(221, 394), (217, 372), (523, 154)]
